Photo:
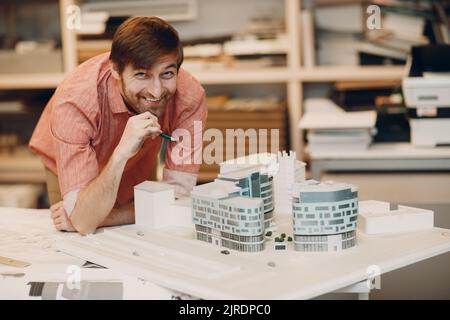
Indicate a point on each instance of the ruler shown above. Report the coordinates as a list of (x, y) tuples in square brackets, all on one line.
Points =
[(13, 262)]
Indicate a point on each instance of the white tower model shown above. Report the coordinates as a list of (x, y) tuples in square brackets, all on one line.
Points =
[(290, 171)]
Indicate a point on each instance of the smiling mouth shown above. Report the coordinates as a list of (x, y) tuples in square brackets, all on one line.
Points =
[(151, 100)]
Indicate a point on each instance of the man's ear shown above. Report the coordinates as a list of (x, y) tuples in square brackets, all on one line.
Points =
[(115, 71)]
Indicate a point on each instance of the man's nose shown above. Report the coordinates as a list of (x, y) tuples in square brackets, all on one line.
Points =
[(155, 88)]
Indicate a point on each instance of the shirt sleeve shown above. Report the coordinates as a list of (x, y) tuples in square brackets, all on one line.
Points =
[(186, 154), (72, 132)]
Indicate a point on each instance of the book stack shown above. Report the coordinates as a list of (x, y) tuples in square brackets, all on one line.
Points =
[(345, 37), (329, 128), (392, 43), (404, 24)]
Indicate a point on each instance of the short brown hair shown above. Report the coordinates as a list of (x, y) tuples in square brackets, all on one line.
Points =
[(142, 41)]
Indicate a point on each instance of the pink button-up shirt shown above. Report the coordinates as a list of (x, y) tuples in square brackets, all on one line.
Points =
[(84, 121)]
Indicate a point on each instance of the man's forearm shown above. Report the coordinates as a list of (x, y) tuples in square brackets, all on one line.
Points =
[(119, 216), (95, 202)]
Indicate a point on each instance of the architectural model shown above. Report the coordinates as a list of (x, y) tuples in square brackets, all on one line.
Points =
[(283, 167), (376, 217), (235, 210), (223, 217), (254, 184), (324, 216), (290, 171), (156, 207)]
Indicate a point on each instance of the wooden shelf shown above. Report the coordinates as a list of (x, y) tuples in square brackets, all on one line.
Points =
[(394, 150), (292, 76), (21, 166), (351, 73), (234, 76), (30, 80)]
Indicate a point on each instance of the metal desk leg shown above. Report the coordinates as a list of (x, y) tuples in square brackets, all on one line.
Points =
[(360, 288)]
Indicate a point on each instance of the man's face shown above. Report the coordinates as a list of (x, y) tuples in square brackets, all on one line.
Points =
[(149, 89)]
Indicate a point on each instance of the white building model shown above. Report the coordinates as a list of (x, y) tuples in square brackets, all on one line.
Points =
[(324, 216), (234, 210), (156, 207), (254, 184), (376, 217), (225, 218), (290, 171)]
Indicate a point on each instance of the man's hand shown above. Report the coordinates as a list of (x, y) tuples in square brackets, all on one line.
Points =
[(138, 128), (60, 218)]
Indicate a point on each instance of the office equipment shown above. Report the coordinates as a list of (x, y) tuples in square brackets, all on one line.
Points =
[(427, 95)]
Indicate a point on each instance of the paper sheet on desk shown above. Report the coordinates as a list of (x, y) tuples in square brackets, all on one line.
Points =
[(28, 235)]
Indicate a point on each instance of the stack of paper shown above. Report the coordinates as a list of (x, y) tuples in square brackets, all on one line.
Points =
[(332, 129)]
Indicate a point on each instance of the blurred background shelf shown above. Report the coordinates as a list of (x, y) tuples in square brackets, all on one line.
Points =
[(351, 73), (30, 81), (230, 76), (21, 166)]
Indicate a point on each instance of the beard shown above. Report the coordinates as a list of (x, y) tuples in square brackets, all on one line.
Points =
[(137, 104)]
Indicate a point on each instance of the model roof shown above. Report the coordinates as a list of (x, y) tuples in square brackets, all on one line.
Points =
[(217, 189), (325, 186), (243, 201)]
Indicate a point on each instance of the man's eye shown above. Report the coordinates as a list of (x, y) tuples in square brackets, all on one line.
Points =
[(140, 74), (168, 74)]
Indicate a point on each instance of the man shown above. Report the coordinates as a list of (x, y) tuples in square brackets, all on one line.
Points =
[(99, 133)]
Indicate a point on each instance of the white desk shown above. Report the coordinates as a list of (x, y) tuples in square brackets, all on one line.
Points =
[(174, 259), (28, 235), (177, 261)]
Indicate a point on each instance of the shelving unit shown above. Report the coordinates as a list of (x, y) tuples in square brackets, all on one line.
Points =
[(351, 73), (22, 166), (382, 157), (30, 81), (294, 75)]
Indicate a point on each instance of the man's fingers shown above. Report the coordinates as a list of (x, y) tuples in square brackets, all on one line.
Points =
[(58, 220), (55, 213), (56, 206), (152, 130), (146, 115)]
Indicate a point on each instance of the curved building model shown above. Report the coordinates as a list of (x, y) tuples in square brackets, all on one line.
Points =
[(223, 217), (324, 216)]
